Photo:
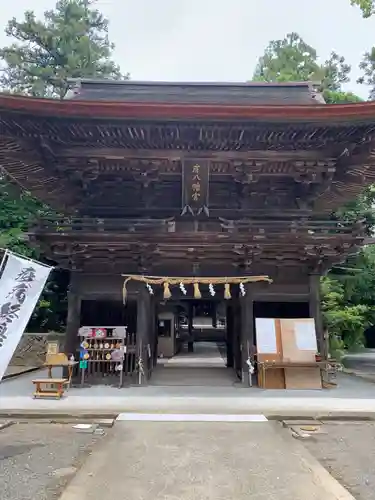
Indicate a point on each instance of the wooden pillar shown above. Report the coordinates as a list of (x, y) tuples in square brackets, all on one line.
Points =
[(247, 333), (230, 336), (154, 334), (73, 320), (316, 313), (190, 328), (237, 336), (142, 339)]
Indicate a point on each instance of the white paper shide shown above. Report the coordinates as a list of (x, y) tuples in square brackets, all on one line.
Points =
[(21, 284)]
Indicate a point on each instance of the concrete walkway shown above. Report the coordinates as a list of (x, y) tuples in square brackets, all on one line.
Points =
[(205, 355), (204, 367), (202, 461)]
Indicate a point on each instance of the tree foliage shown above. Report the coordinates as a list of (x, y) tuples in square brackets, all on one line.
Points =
[(70, 42), (361, 209), (367, 65), (348, 299), (348, 294), (367, 6), (345, 322), (292, 59), (287, 60), (17, 212)]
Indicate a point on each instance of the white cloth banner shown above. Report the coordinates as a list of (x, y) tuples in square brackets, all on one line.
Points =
[(21, 284)]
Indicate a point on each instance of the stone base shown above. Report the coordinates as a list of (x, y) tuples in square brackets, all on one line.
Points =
[(31, 351)]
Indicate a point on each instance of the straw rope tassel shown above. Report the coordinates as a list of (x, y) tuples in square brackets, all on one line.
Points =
[(167, 293), (197, 292), (227, 294), (124, 290)]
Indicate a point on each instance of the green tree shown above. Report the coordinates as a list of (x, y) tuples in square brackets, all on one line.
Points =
[(347, 301), (17, 211), (70, 42), (345, 321), (361, 208), (367, 6), (287, 60), (292, 59), (367, 65)]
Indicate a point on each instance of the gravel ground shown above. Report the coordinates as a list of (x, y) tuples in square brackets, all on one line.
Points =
[(347, 451), (38, 460)]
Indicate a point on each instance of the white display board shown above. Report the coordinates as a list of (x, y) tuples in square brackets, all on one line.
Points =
[(266, 335), (305, 335)]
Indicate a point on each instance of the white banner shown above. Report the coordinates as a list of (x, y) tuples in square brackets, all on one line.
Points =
[(21, 284)]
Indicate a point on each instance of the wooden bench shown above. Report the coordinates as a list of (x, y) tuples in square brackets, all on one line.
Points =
[(44, 389)]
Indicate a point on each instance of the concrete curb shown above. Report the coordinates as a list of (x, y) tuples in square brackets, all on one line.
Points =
[(69, 416), (5, 425), (45, 416), (347, 417), (362, 376), (321, 476)]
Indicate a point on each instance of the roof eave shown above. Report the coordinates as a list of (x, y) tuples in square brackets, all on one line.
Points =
[(167, 111)]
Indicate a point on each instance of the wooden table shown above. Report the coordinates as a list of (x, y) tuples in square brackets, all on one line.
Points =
[(263, 366), (69, 364), (44, 391)]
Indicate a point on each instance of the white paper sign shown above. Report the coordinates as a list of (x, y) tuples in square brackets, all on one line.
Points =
[(266, 335), (305, 335), (21, 284)]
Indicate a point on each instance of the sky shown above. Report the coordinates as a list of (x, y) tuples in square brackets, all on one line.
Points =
[(218, 40)]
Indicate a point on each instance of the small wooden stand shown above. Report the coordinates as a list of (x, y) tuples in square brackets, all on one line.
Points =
[(44, 389), (54, 387)]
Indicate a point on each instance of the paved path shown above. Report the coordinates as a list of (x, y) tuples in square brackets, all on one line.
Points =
[(203, 367), (202, 461)]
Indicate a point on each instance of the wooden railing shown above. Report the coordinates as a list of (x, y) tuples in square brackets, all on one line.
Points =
[(255, 225), (112, 225)]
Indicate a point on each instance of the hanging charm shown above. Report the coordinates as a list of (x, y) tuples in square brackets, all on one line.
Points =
[(212, 290), (167, 293), (242, 289), (197, 292), (183, 289), (149, 288)]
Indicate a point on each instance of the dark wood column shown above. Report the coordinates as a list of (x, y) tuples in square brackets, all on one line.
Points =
[(230, 336), (154, 330), (73, 321), (143, 331), (316, 313), (237, 335), (247, 332), (190, 328)]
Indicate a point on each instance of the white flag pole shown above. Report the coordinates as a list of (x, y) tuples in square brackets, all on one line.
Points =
[(11, 252), (2, 264)]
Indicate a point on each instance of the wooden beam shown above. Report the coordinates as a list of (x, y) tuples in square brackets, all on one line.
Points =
[(175, 155)]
